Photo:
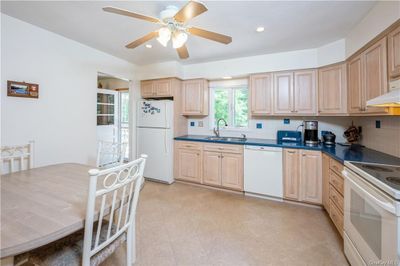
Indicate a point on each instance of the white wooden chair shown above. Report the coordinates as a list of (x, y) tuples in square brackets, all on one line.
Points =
[(16, 158), (110, 154), (110, 220)]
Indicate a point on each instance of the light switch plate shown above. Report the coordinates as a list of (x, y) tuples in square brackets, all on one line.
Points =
[(192, 123), (200, 124), (286, 121), (259, 125)]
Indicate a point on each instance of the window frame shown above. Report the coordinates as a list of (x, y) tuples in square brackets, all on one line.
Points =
[(229, 85)]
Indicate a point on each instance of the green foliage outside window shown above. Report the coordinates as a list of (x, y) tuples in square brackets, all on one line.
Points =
[(232, 105)]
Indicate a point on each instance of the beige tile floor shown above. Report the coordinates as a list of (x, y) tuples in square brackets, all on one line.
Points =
[(181, 224)]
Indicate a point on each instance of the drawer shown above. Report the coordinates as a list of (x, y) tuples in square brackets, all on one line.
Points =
[(336, 181), (336, 166), (336, 198), (224, 148), (189, 145), (337, 217)]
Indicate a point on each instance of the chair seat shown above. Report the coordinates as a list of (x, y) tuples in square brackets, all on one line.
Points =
[(68, 251)]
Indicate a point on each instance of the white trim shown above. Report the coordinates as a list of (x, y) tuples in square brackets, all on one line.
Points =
[(232, 83)]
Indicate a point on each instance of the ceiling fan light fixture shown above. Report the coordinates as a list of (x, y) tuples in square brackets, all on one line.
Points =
[(164, 35), (179, 38)]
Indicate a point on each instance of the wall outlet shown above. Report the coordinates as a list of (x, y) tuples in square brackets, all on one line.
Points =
[(286, 121), (192, 123), (259, 125), (378, 124), (200, 124)]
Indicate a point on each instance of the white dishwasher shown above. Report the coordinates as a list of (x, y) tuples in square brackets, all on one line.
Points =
[(263, 171)]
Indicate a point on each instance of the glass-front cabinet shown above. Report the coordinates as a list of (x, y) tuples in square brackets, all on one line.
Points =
[(105, 109)]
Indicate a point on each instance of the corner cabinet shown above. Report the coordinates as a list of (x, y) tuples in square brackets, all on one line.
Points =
[(394, 53), (295, 93), (302, 175), (195, 96), (157, 88), (260, 90), (367, 78), (332, 90)]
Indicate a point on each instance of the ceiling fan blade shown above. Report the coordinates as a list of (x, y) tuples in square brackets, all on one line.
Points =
[(130, 14), (183, 52), (142, 40), (210, 35), (190, 10)]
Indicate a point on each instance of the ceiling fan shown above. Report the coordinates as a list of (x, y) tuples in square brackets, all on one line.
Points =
[(173, 26)]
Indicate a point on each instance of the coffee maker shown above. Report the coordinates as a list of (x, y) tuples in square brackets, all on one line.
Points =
[(311, 132)]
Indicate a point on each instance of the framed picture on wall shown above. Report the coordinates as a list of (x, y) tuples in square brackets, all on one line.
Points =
[(22, 89)]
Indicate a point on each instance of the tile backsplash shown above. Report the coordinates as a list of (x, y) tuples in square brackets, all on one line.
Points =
[(381, 133)]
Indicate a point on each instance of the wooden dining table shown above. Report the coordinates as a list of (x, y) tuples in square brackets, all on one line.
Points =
[(41, 205)]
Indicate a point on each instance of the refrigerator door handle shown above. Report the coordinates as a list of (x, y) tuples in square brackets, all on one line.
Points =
[(165, 141)]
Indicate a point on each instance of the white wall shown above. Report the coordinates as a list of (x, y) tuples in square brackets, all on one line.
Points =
[(381, 16), (62, 122)]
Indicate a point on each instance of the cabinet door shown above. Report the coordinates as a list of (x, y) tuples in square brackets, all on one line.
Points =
[(146, 89), (394, 52), (162, 88), (232, 171), (305, 93), (325, 182), (355, 85), (194, 97), (332, 92), (212, 168), (261, 94), (189, 165), (311, 176), (291, 174), (283, 93), (375, 73)]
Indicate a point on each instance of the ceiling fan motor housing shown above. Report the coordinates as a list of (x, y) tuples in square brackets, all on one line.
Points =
[(168, 13)]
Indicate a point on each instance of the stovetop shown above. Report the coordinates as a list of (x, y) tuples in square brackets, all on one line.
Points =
[(389, 175)]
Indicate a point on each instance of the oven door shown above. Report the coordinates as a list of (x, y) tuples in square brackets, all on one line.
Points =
[(370, 220)]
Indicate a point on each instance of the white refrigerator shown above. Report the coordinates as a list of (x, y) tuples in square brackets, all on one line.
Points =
[(155, 135)]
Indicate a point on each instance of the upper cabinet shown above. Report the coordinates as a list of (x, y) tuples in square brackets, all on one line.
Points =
[(394, 53), (195, 96), (260, 94), (367, 78), (332, 90), (157, 88), (295, 93)]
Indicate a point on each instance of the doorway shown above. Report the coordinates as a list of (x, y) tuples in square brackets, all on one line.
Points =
[(113, 110)]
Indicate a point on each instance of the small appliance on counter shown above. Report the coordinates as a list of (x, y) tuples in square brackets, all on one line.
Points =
[(328, 138), (288, 136), (311, 132)]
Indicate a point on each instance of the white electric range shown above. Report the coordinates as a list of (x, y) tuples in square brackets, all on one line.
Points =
[(372, 213)]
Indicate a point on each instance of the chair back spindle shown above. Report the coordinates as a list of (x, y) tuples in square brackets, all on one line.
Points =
[(16, 158)]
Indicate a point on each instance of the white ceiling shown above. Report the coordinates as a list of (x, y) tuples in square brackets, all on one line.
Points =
[(288, 26)]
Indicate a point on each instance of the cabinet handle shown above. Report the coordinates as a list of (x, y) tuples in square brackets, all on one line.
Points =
[(303, 155), (291, 151)]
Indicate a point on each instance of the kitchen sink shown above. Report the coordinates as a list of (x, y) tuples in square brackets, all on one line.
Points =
[(226, 138)]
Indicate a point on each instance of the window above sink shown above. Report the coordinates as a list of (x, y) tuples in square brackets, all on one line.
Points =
[(229, 100)]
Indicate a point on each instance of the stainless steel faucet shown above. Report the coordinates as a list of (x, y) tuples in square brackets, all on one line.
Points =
[(216, 130)]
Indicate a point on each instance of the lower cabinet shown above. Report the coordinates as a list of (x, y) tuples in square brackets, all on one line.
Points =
[(219, 165), (303, 175), (188, 162)]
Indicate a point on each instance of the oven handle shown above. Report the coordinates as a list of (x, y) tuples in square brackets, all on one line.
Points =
[(385, 205)]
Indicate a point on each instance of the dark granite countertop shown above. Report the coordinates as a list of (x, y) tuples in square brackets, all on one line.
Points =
[(341, 153)]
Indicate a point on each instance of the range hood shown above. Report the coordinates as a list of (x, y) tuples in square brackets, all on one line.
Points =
[(390, 99)]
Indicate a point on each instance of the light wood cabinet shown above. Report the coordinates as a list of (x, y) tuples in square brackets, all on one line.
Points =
[(302, 175), (394, 53), (291, 175), (367, 78), (336, 190), (188, 161), (332, 90), (232, 171), (283, 93), (295, 93), (260, 94), (195, 96), (311, 176), (212, 168), (325, 182), (157, 88), (305, 92)]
